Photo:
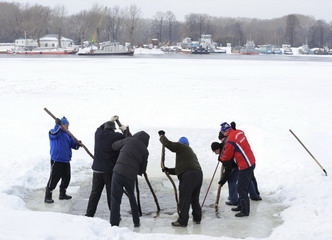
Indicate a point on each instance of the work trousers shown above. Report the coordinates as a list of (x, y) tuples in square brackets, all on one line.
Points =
[(243, 185), (59, 170), (189, 190), (99, 180), (119, 183), (232, 187)]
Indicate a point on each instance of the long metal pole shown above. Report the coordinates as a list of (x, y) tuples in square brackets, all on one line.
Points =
[(308, 152)]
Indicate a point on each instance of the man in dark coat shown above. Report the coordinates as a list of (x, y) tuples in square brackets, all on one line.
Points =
[(189, 173), (132, 161), (104, 160)]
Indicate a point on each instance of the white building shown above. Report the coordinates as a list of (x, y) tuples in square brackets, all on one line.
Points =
[(52, 41)]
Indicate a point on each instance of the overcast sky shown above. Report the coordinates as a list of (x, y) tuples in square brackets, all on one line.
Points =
[(264, 9)]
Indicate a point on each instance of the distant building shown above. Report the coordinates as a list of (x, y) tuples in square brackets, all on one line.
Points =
[(52, 41), (154, 42)]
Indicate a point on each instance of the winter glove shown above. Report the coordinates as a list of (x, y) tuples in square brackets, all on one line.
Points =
[(161, 133), (123, 128), (79, 143), (114, 118), (233, 125), (220, 183), (58, 121), (165, 169)]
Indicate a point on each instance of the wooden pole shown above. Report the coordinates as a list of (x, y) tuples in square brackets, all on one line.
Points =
[(70, 134), (216, 204), (170, 179), (210, 184), (308, 152)]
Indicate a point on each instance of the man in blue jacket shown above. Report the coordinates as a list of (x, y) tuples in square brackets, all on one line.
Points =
[(61, 144)]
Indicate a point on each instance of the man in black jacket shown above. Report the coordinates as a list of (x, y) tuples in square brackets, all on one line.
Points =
[(104, 160), (132, 161), (229, 174)]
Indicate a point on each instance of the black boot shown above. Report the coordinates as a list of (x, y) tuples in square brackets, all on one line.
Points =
[(48, 196), (63, 195), (236, 209), (242, 214)]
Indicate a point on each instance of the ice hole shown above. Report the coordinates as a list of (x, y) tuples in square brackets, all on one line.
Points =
[(264, 215)]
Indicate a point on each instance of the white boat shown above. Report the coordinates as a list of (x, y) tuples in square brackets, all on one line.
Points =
[(44, 51), (288, 51), (185, 51), (249, 48), (217, 50), (106, 49)]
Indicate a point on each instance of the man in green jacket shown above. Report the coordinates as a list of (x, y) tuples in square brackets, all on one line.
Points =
[(189, 173)]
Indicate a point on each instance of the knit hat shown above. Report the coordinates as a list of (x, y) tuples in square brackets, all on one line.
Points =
[(184, 140), (225, 127), (64, 121), (215, 146), (109, 125)]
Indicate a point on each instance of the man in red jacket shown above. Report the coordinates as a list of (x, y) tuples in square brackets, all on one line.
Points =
[(237, 147)]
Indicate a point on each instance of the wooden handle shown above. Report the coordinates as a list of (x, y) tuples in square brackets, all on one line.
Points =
[(70, 134)]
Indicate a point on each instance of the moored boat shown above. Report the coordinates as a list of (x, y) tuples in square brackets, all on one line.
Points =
[(106, 49), (200, 51), (185, 51), (249, 48), (288, 51), (45, 51)]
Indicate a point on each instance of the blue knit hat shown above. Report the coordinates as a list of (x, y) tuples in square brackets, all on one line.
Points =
[(184, 140), (225, 127), (64, 121)]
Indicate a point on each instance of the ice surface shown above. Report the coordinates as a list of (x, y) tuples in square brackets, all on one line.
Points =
[(185, 96), (265, 214)]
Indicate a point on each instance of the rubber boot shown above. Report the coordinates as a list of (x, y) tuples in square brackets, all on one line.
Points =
[(48, 196), (63, 195)]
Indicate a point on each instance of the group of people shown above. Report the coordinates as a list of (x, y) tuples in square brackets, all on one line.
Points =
[(238, 163), (120, 157)]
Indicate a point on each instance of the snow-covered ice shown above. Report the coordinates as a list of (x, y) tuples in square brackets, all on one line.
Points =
[(185, 97)]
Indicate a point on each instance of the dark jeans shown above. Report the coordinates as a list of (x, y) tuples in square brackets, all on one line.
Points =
[(189, 190), (59, 170), (118, 183), (243, 186), (254, 181), (99, 180), (232, 187)]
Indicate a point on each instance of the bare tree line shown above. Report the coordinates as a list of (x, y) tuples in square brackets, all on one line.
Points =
[(102, 23)]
